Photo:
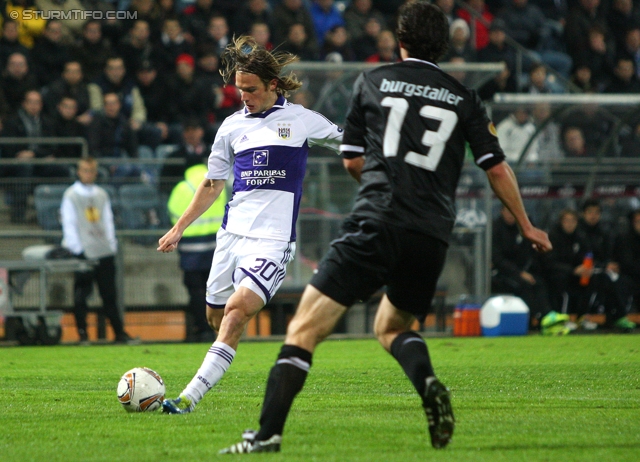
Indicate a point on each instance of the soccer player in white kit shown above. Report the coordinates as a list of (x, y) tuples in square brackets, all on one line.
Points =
[(266, 144)]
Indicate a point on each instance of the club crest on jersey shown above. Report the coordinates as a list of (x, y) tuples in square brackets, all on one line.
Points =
[(260, 158), (284, 132)]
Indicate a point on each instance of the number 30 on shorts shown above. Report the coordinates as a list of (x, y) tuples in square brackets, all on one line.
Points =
[(265, 268), (434, 140)]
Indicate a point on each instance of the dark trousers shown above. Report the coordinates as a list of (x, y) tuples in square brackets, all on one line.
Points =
[(196, 284), (535, 296), (104, 274)]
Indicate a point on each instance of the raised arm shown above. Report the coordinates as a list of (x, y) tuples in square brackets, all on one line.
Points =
[(206, 194)]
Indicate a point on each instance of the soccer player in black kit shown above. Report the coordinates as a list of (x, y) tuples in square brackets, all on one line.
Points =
[(404, 141)]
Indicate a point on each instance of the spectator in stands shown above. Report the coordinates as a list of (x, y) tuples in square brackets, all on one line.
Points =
[(574, 144), (9, 42), (16, 80), (193, 151), (136, 47), (149, 11), (190, 95), (356, 16), (387, 49), (580, 19), (72, 85), (514, 134), (497, 51), (325, 16), (88, 231), (115, 80), (548, 137), (65, 124), (525, 23), (627, 254), (581, 77), (92, 50), (301, 44), (448, 7), (481, 38), (537, 80), (516, 268), (459, 44), (226, 99), (254, 11), (72, 22), (630, 141), (607, 291), (4, 112), (291, 12), (624, 78), (49, 54), (158, 128), (366, 45), (28, 122), (631, 47), (389, 8), (565, 266), (110, 136), (337, 41), (29, 29), (197, 17), (623, 16), (597, 126), (172, 44), (600, 57), (217, 33), (262, 34)]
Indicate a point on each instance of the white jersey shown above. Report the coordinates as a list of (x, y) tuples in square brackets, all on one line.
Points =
[(268, 153)]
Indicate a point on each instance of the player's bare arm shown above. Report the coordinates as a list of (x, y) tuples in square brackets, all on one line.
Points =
[(504, 184), (206, 194), (354, 167)]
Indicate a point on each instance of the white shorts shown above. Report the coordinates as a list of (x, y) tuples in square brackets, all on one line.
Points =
[(257, 264)]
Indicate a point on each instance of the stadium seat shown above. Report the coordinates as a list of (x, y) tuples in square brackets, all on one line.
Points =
[(47, 199), (141, 209)]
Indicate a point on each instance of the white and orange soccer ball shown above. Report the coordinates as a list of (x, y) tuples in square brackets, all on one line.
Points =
[(141, 390)]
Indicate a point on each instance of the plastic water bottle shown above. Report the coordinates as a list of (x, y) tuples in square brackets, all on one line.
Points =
[(587, 263)]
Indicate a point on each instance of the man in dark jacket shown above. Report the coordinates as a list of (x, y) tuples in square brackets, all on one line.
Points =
[(516, 267), (606, 288), (627, 253), (49, 54)]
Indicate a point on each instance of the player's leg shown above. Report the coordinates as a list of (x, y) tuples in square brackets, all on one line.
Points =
[(315, 319), (105, 273), (410, 291), (255, 271), (82, 287)]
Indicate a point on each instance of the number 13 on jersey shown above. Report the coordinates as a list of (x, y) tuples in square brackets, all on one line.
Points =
[(434, 140)]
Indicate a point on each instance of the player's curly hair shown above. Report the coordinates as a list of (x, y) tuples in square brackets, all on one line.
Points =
[(423, 30), (245, 55)]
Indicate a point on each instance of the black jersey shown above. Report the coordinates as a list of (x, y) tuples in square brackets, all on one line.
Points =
[(411, 121)]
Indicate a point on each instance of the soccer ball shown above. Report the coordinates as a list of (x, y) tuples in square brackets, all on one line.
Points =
[(141, 390)]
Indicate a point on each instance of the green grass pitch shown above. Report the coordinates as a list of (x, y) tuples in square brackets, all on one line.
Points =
[(573, 398)]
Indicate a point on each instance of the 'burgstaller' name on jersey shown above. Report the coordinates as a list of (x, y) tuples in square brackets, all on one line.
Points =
[(268, 153), (411, 89)]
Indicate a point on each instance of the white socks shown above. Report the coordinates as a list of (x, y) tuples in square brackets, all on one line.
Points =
[(215, 364)]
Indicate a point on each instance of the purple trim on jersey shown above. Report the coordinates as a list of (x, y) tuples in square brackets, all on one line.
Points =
[(215, 307), (279, 104), (254, 279), (286, 167)]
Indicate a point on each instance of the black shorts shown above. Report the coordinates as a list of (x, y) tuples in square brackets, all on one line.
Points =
[(377, 254)]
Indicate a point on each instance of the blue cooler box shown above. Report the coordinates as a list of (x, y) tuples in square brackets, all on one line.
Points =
[(504, 315)]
